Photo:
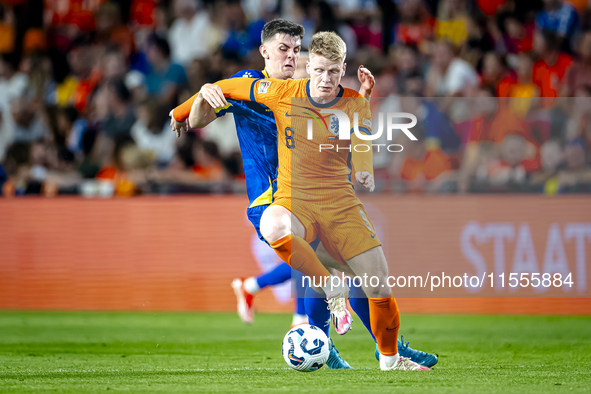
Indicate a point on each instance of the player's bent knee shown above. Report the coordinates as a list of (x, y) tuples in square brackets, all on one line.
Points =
[(378, 291), (274, 224)]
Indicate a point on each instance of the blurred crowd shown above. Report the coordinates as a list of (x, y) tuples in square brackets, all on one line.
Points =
[(501, 89)]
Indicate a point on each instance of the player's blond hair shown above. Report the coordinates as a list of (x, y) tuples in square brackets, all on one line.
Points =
[(329, 45)]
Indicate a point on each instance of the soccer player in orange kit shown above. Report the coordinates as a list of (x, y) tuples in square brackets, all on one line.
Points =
[(314, 194)]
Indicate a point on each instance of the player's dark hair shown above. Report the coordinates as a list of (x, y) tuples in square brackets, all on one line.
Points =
[(281, 26)]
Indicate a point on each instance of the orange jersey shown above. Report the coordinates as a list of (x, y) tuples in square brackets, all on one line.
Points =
[(305, 171)]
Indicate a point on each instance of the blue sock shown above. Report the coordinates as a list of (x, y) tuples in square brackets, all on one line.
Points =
[(360, 305), (276, 276), (300, 293), (317, 311)]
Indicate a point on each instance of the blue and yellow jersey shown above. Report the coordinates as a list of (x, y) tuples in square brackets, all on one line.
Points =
[(257, 134)]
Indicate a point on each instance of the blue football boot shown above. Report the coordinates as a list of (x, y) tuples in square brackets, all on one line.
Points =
[(419, 357), (334, 360)]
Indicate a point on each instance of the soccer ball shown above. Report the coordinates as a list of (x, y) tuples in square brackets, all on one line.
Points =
[(306, 348)]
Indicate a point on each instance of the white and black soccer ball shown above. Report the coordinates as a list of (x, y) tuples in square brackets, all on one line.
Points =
[(306, 348)]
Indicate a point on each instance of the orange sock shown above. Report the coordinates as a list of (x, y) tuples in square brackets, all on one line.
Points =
[(300, 256), (385, 322)]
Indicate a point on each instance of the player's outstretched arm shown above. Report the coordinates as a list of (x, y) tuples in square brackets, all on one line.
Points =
[(367, 82), (203, 111), (199, 110)]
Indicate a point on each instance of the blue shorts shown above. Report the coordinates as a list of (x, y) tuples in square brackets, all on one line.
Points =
[(254, 215)]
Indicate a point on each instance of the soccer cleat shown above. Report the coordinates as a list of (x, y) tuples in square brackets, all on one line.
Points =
[(340, 315), (244, 299), (398, 363), (419, 357), (335, 361)]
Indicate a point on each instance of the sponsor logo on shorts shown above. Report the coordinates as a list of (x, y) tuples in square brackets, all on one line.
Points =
[(366, 220)]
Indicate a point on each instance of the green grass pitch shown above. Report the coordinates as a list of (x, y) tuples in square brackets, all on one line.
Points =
[(209, 352)]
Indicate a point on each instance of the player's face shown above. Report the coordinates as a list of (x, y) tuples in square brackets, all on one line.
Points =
[(325, 75), (281, 55), (301, 67)]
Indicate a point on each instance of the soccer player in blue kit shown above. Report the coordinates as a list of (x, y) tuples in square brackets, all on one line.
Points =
[(257, 134)]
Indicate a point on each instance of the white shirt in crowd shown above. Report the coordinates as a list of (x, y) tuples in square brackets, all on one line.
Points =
[(188, 39), (459, 75), (162, 145), (9, 89)]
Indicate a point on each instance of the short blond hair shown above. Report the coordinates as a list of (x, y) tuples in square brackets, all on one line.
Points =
[(329, 45)]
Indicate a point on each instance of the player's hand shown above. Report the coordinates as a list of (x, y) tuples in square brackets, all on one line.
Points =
[(366, 179), (366, 78), (213, 95), (177, 126)]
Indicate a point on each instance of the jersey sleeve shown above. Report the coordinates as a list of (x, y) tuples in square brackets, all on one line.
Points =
[(263, 91), (181, 113), (361, 160), (236, 88)]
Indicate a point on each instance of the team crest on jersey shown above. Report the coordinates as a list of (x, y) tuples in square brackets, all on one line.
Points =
[(333, 125), (264, 86)]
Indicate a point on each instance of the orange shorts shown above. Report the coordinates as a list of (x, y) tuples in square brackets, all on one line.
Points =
[(344, 229)]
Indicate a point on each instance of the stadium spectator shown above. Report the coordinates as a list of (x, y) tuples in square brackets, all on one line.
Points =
[(518, 37), (579, 74), (451, 24), (524, 71), (110, 30), (576, 175), (82, 58), (523, 90), (208, 162), (164, 79), (580, 117), (550, 69), (325, 19), (29, 120), (151, 132), (479, 40), (425, 169), (116, 116), (449, 75), (71, 129), (559, 17), (416, 23), (113, 64), (63, 92), (189, 33), (496, 75), (242, 36), (142, 13), (407, 63), (12, 85), (551, 160), (7, 29), (512, 166)]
